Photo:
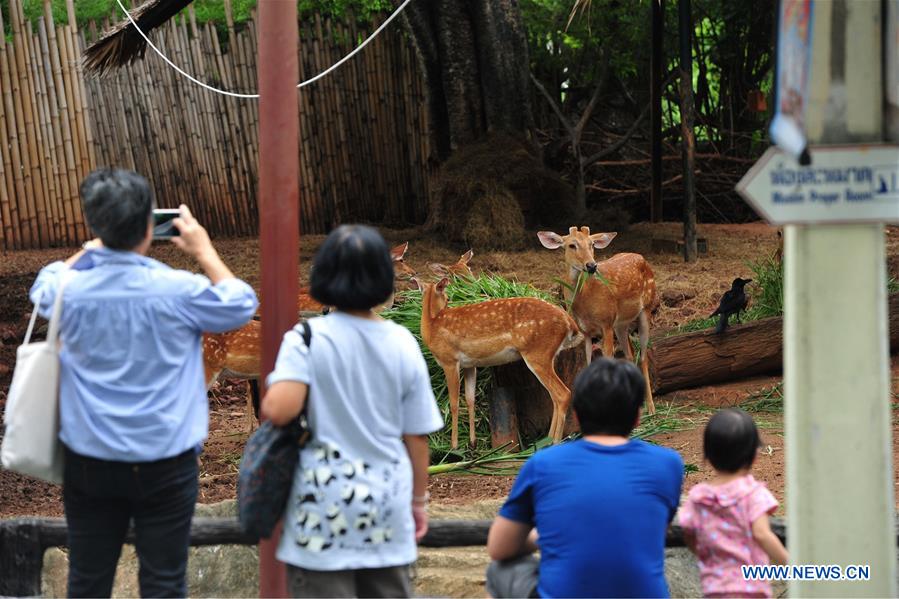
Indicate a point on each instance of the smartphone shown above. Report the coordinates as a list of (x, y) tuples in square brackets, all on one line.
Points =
[(163, 228)]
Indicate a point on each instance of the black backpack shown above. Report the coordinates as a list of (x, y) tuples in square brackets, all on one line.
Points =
[(267, 467)]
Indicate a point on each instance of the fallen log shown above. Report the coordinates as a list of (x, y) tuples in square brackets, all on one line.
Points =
[(745, 350)]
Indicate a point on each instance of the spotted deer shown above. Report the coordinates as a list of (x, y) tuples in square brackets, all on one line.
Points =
[(601, 307), (492, 333), (238, 353), (459, 269)]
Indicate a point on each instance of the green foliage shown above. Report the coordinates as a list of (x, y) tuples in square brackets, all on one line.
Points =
[(407, 312), (206, 10)]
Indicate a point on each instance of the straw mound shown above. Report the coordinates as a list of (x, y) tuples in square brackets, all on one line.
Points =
[(495, 222), (499, 166)]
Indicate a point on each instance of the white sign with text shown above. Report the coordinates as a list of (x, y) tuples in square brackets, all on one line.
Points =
[(858, 183)]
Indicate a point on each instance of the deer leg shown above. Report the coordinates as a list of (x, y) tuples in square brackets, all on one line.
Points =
[(608, 342), (452, 386), (543, 367), (643, 327), (624, 340), (470, 379), (251, 420)]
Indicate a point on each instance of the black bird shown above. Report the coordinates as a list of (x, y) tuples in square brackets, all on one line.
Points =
[(732, 302)]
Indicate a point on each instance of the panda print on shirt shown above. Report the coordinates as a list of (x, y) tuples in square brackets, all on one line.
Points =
[(343, 502)]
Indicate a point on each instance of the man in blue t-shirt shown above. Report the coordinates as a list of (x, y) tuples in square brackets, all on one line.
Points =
[(601, 504)]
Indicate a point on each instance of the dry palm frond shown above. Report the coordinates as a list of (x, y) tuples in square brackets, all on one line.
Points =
[(122, 44), (580, 6)]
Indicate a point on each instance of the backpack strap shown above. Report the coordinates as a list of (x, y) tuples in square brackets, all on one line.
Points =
[(302, 425), (307, 334)]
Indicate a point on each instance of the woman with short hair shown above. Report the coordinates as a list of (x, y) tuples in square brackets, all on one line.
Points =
[(358, 503), (133, 406)]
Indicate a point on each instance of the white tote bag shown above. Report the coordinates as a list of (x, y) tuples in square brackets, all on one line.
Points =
[(31, 441)]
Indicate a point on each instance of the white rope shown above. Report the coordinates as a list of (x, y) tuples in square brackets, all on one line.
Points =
[(237, 95)]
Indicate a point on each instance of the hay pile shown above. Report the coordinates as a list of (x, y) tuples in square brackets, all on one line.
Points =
[(488, 192), (495, 222)]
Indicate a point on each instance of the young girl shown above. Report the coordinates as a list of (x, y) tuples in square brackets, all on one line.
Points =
[(359, 494), (725, 521)]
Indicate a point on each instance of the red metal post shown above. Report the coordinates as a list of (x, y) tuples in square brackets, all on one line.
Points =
[(279, 185)]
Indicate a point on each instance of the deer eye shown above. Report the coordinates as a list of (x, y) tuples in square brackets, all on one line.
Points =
[(572, 246)]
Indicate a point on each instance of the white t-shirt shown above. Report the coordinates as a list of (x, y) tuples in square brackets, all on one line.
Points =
[(350, 506)]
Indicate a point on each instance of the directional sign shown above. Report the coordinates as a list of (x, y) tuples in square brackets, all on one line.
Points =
[(858, 183)]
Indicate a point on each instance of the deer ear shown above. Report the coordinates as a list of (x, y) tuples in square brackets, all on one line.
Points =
[(441, 285), (438, 269), (550, 240), (418, 283), (601, 240), (466, 257), (399, 251)]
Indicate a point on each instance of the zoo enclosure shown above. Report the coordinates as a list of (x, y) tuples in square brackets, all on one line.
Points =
[(364, 143)]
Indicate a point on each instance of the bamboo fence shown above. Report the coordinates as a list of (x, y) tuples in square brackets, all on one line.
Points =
[(363, 129)]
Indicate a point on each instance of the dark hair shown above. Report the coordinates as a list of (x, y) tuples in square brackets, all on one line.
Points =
[(731, 440), (352, 269), (117, 204), (608, 396)]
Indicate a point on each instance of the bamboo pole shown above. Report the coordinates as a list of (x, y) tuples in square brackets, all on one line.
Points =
[(9, 87), (64, 189), (76, 76), (231, 151), (76, 121), (195, 156), (25, 118), (78, 51), (7, 183), (49, 213), (208, 131)]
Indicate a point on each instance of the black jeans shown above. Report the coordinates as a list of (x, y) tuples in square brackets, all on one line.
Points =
[(101, 497)]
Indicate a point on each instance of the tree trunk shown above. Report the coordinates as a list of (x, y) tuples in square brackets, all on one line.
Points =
[(474, 57), (691, 252), (707, 358)]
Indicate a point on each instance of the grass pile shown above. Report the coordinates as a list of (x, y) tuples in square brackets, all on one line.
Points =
[(498, 461), (407, 312), (769, 400)]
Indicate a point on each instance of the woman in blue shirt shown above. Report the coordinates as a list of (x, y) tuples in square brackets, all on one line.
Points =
[(133, 407)]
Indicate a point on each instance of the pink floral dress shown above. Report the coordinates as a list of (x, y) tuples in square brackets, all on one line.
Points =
[(721, 518)]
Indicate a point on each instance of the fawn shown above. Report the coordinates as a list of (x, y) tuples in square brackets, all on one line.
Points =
[(497, 332), (601, 307), (238, 353), (458, 270)]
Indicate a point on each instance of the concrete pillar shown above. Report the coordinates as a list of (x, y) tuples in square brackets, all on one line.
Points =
[(840, 499)]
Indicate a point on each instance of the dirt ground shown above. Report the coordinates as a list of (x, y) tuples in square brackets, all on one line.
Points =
[(688, 292)]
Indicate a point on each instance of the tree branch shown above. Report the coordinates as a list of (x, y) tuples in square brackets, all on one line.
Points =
[(591, 106), (552, 103), (615, 146)]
